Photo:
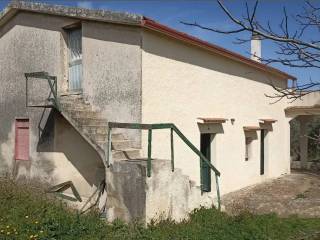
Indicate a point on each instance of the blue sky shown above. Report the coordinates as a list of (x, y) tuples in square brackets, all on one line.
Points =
[(206, 12)]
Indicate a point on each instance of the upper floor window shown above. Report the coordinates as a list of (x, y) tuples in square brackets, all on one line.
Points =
[(75, 59)]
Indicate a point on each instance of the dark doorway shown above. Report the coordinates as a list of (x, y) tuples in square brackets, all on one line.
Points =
[(262, 152), (205, 148)]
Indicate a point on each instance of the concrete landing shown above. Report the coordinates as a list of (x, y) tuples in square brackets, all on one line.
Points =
[(132, 195)]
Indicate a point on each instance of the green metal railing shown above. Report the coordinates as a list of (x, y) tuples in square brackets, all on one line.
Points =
[(52, 81), (173, 128)]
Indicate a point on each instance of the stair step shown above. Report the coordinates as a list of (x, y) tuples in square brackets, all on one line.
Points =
[(95, 129), (75, 106), (101, 132), (116, 144), (82, 113), (91, 121), (74, 102), (98, 137), (122, 144), (118, 137), (131, 153), (71, 95)]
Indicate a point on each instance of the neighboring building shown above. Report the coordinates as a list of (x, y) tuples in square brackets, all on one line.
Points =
[(119, 67), (305, 111)]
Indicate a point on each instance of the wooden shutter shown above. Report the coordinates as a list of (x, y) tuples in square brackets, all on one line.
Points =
[(22, 139)]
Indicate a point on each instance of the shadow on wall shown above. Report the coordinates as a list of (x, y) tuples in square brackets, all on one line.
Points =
[(40, 21), (59, 136), (6, 153), (163, 46), (46, 133)]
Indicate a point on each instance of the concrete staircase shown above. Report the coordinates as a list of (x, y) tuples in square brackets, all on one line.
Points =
[(166, 194), (93, 127), (130, 193)]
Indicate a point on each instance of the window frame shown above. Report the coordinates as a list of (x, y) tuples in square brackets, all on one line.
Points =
[(248, 148)]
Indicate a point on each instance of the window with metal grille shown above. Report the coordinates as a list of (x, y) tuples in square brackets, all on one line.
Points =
[(75, 58), (22, 139)]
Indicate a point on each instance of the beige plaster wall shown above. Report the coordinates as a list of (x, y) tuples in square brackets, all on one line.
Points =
[(307, 100), (112, 71), (181, 83)]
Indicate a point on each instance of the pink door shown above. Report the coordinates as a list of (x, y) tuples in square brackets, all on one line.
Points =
[(22, 139)]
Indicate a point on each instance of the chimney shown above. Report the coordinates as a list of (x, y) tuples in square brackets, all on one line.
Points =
[(256, 47)]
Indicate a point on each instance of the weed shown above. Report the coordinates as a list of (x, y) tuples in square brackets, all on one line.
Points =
[(26, 212)]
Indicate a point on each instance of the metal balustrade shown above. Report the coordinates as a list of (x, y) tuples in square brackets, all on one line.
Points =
[(150, 128)]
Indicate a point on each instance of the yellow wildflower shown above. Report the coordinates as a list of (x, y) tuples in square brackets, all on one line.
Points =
[(31, 236), (2, 230), (41, 231), (8, 233), (8, 226), (36, 222), (27, 216)]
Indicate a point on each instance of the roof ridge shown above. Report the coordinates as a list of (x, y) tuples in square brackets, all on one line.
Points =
[(77, 12)]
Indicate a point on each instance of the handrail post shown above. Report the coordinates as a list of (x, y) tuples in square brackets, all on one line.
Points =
[(56, 93), (201, 177), (109, 151), (149, 152), (173, 128), (172, 150), (27, 91), (52, 88), (218, 192)]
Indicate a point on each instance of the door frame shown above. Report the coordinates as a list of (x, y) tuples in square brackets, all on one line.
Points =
[(263, 133), (205, 149)]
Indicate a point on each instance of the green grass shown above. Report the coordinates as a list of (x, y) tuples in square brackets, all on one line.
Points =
[(27, 213)]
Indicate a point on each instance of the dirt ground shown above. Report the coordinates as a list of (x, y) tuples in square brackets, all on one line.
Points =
[(294, 194)]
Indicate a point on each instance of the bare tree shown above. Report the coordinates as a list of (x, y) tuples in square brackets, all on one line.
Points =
[(299, 48)]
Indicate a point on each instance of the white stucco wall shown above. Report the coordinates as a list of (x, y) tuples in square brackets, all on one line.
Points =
[(181, 83)]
